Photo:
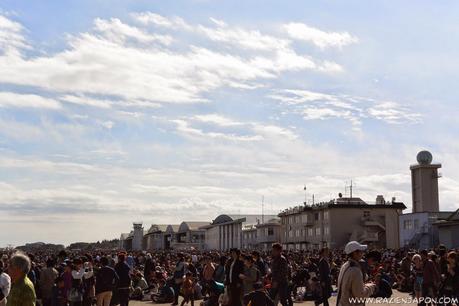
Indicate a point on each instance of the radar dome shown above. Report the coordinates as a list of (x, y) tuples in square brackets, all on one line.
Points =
[(424, 158)]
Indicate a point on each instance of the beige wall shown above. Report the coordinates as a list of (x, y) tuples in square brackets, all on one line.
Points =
[(346, 224), (336, 226), (212, 238), (424, 184)]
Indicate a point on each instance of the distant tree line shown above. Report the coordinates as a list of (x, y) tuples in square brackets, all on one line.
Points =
[(83, 246)]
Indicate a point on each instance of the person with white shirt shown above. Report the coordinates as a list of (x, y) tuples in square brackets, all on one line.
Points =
[(5, 285), (78, 274)]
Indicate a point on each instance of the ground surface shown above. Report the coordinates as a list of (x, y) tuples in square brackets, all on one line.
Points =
[(332, 301)]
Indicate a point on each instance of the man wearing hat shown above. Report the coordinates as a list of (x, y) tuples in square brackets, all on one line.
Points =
[(350, 279)]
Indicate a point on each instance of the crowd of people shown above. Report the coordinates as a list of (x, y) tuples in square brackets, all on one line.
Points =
[(232, 278)]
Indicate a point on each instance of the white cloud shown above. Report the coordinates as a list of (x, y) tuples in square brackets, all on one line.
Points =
[(217, 119), (138, 64), (322, 39), (393, 113), (147, 18), (11, 38), (108, 124), (118, 32), (184, 128), (82, 100), (320, 106), (10, 99)]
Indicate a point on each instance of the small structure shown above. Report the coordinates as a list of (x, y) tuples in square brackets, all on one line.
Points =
[(268, 233), (154, 238), (448, 230), (424, 184), (261, 236), (223, 233), (226, 231), (190, 236), (417, 228), (169, 236), (123, 241), (249, 237), (137, 236)]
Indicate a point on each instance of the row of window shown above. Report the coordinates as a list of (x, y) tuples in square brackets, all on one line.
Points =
[(305, 217), (310, 232), (409, 224), (269, 231)]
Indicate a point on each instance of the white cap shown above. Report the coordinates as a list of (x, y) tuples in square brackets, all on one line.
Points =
[(354, 246)]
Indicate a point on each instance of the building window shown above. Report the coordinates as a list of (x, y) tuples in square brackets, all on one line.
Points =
[(297, 233), (326, 231), (310, 232), (326, 215), (407, 224), (270, 231), (305, 218), (317, 231), (366, 214), (316, 217), (416, 224)]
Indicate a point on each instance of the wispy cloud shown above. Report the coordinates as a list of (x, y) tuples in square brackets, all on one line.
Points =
[(321, 39), (11, 38), (320, 106), (15, 100)]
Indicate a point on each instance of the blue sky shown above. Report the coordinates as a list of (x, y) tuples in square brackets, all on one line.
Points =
[(163, 111)]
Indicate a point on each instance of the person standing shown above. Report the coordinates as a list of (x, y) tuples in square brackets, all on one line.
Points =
[(79, 273), (179, 273), (47, 278), (250, 276), (124, 284), (259, 263), (208, 274), (450, 286), (22, 290), (149, 268), (233, 281), (219, 275), (324, 276), (350, 279), (431, 276), (5, 285), (188, 289), (279, 271), (89, 282), (106, 281)]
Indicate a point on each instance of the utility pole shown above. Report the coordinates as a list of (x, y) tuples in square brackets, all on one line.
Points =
[(350, 188)]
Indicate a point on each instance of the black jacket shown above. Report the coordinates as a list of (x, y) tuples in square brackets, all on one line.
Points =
[(106, 279), (238, 268), (122, 269)]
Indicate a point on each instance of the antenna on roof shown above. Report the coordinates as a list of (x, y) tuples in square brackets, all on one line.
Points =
[(305, 196), (263, 209), (351, 189)]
